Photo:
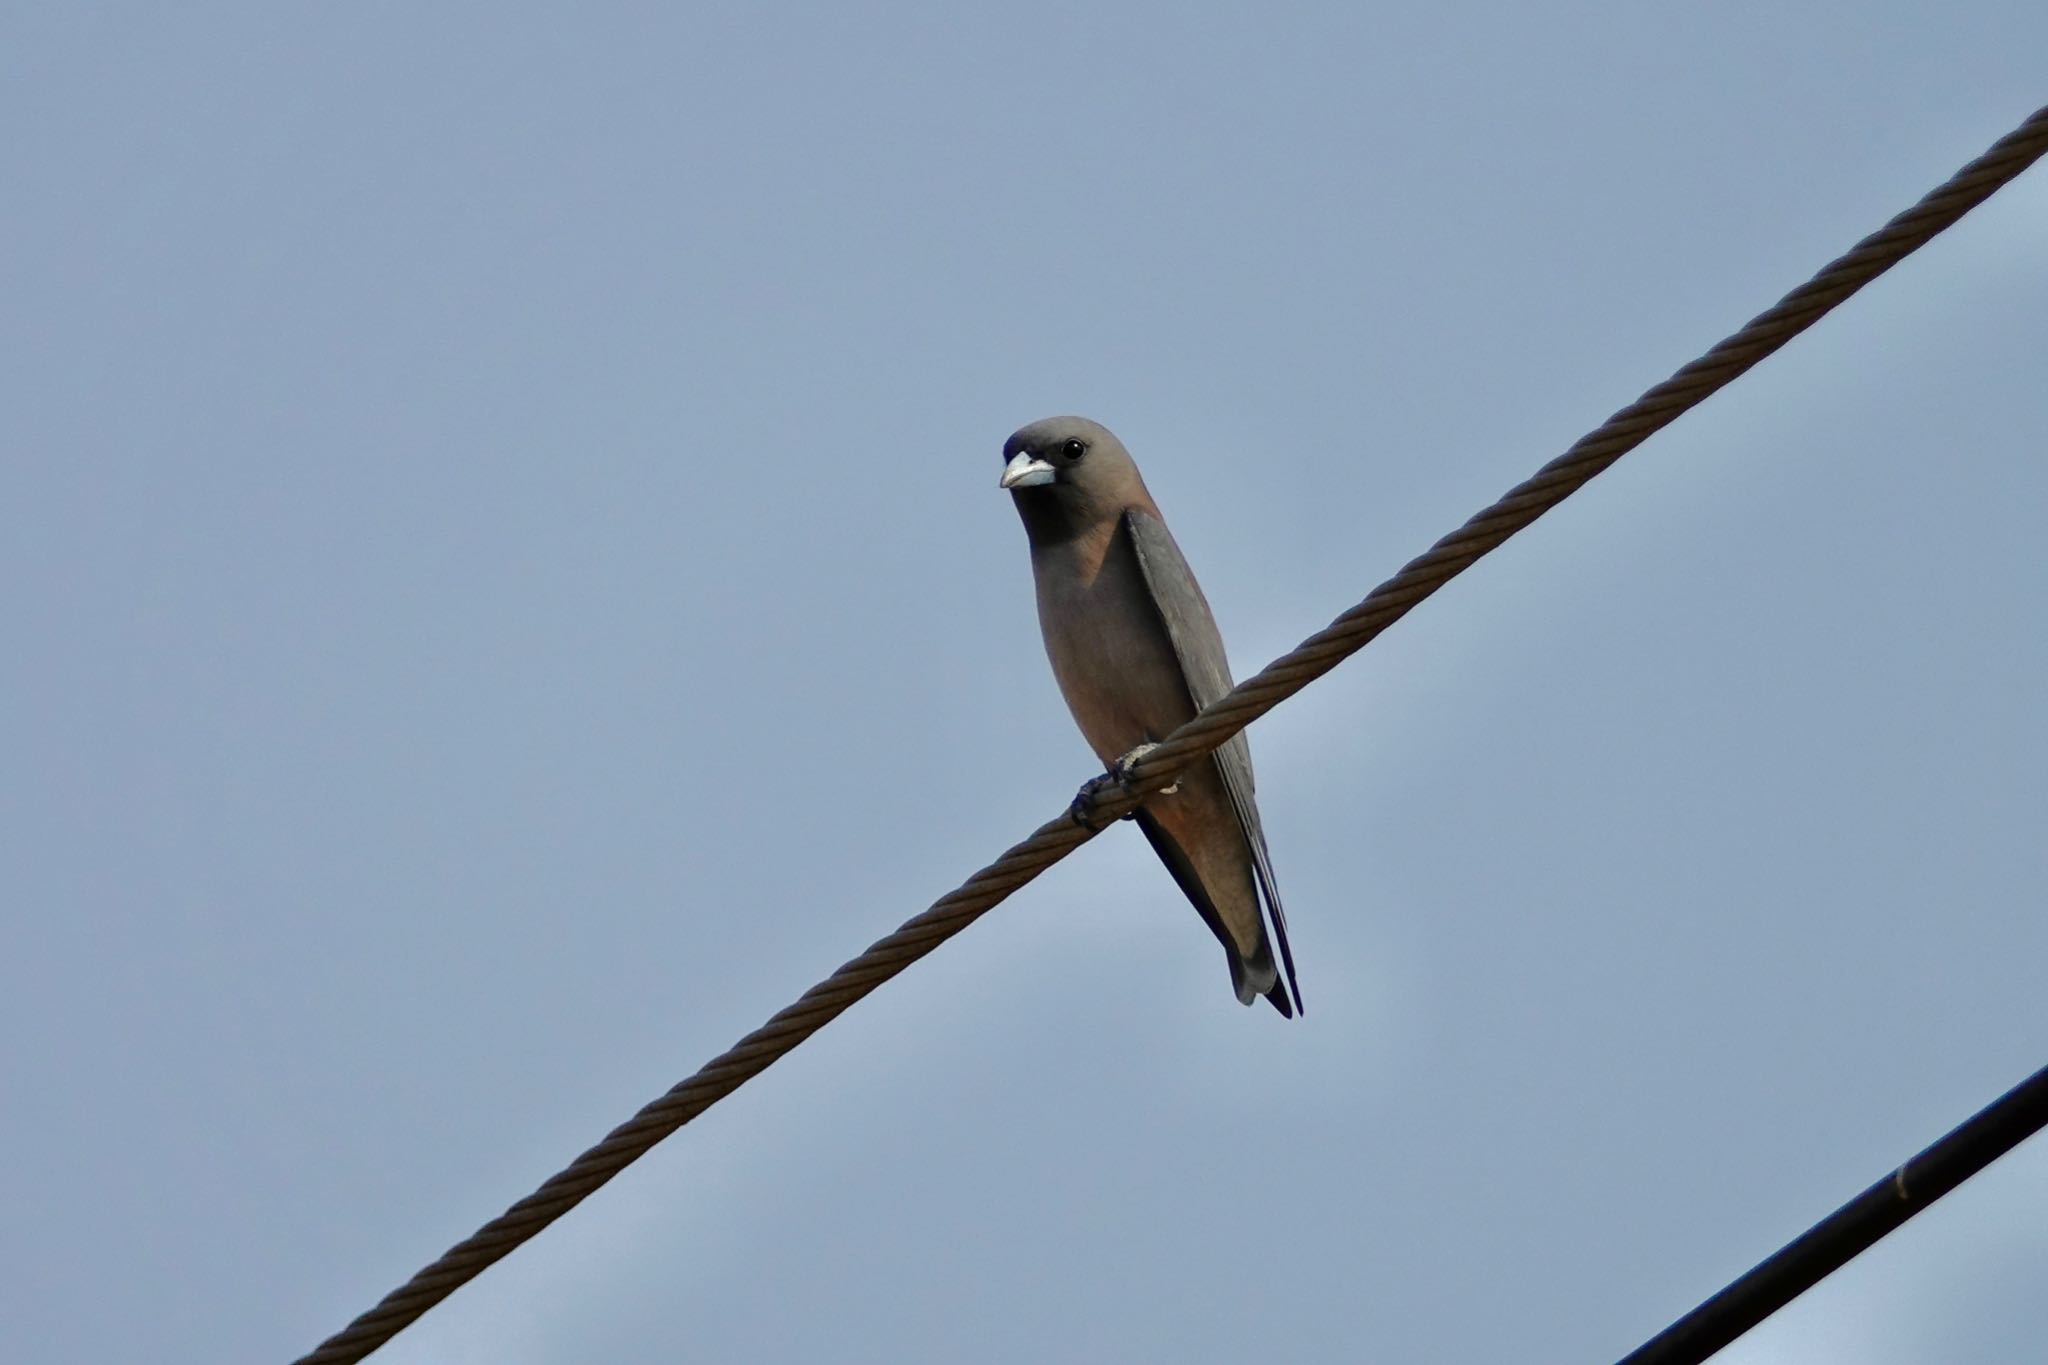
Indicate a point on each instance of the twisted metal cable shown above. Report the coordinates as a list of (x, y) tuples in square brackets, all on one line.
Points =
[(1251, 699)]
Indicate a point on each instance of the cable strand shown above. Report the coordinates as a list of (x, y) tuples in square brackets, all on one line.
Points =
[(1281, 679)]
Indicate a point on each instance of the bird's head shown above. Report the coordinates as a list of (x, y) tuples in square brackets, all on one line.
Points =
[(1068, 473)]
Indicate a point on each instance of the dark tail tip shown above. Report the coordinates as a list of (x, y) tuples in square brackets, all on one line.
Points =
[(1260, 977)]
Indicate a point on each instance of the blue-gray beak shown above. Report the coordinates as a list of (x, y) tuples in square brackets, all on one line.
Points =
[(1026, 471)]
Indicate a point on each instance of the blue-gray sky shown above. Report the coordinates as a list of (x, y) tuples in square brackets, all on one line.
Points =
[(506, 586)]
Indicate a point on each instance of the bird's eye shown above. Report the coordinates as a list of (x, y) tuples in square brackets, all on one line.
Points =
[(1075, 448)]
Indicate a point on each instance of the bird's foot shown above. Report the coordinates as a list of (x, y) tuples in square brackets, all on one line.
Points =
[(1082, 811), (1121, 770), (1118, 778)]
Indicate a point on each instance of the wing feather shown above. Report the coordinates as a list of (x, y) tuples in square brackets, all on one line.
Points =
[(1198, 644)]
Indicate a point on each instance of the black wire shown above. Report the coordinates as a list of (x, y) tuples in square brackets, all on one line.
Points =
[(1852, 1229)]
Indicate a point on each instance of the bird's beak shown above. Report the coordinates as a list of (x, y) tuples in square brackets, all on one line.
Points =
[(1024, 471)]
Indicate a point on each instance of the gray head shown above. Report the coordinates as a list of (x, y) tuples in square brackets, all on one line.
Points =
[(1068, 474)]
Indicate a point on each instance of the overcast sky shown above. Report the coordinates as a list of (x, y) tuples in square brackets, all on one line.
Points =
[(505, 586)]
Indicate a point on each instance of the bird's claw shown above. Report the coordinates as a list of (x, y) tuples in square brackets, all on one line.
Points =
[(1082, 812), (1121, 770), (1118, 778)]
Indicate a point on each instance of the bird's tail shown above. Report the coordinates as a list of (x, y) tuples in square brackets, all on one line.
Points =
[(1260, 977)]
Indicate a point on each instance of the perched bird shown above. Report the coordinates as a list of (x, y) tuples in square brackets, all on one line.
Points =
[(1136, 652)]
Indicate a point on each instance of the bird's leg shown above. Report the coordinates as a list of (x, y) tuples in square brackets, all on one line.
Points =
[(1119, 778)]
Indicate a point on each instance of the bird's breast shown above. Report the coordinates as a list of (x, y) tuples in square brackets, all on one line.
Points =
[(1109, 648)]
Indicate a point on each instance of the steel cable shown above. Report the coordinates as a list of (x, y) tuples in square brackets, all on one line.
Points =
[(1251, 699)]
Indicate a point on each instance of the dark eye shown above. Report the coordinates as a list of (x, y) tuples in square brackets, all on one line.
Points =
[(1075, 448)]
